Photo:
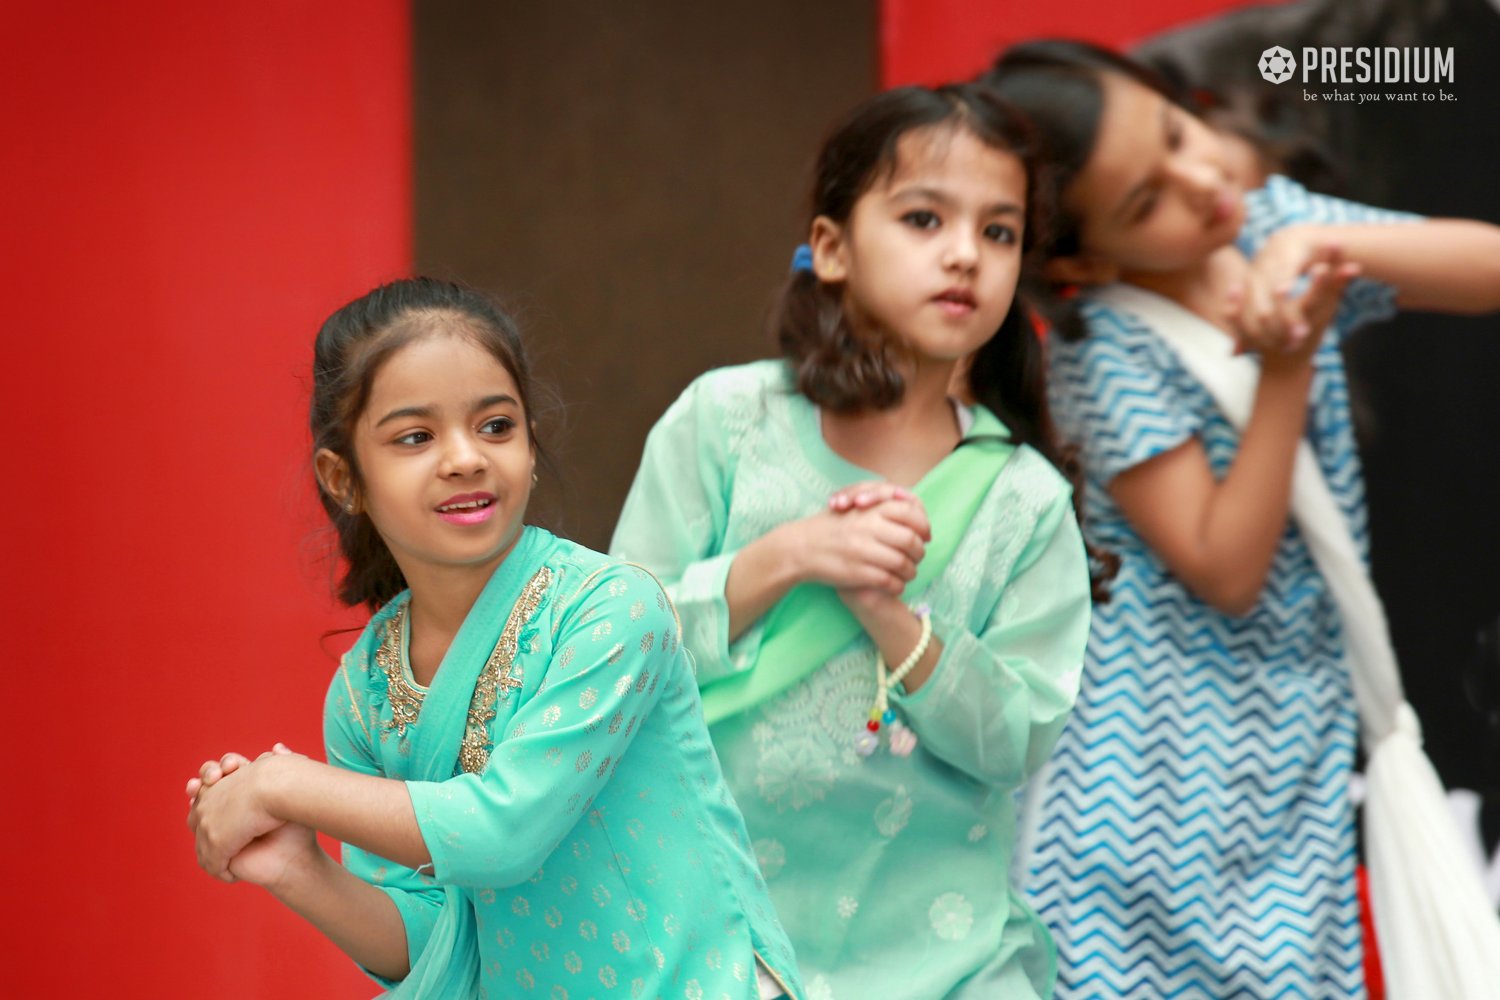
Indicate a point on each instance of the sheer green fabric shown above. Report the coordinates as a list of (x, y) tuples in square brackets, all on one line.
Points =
[(890, 871)]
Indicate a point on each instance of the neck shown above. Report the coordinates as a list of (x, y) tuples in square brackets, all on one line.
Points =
[(1202, 288), (441, 598), (903, 442)]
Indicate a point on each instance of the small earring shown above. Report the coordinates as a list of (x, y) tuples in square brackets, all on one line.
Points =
[(351, 506), (533, 480)]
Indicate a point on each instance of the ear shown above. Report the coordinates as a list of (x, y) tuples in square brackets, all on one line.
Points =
[(335, 476), (1082, 269), (830, 250)]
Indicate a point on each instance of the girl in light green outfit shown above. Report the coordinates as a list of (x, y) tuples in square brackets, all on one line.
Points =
[(518, 764), (884, 588)]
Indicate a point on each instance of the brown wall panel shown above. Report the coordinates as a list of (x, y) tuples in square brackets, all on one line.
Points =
[(631, 180)]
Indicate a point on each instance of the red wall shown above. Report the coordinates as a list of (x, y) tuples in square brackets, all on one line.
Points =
[(188, 188), (932, 41)]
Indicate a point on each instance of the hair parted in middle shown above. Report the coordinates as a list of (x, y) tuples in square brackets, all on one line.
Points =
[(838, 369)]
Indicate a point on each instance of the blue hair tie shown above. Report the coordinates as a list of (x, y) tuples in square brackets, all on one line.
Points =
[(802, 259)]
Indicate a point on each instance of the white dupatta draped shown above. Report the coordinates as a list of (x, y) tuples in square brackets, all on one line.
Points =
[(1438, 934)]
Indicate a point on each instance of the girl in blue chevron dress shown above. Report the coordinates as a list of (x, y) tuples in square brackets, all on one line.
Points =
[(1193, 834)]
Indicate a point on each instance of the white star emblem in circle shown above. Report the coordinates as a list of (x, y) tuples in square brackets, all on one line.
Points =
[(1277, 64)]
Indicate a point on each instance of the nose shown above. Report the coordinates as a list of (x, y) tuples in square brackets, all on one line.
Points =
[(1196, 177), (962, 250), (461, 457)]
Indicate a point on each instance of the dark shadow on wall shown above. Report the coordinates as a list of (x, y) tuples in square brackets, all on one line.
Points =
[(631, 179), (1426, 384)]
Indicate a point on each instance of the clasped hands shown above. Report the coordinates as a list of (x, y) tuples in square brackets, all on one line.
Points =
[(236, 837), (867, 544)]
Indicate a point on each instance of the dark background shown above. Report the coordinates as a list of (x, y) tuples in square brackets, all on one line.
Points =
[(636, 174)]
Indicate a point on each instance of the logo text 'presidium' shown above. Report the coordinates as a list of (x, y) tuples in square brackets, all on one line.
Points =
[(1407, 64)]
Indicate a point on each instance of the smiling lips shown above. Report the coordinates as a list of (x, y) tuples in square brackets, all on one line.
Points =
[(957, 302), (467, 508)]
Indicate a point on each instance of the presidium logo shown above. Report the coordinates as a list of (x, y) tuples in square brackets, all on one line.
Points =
[(1327, 64), (1277, 64)]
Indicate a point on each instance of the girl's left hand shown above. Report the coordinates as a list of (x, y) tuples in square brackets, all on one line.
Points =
[(863, 496), (1288, 254), (212, 771), (229, 812)]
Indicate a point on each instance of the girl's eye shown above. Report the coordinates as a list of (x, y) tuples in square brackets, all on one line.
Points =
[(414, 438), (1145, 208), (998, 232), (497, 425), (1174, 132), (921, 219)]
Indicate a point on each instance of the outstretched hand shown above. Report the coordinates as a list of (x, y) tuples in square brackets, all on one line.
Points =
[(1272, 316)]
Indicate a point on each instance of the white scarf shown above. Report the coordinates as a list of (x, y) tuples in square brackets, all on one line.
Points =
[(1438, 935)]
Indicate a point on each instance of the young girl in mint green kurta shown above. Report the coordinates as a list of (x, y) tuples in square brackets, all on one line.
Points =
[(884, 829), (542, 814)]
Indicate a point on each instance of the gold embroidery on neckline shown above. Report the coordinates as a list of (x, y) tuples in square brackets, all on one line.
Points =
[(404, 696), (499, 676)]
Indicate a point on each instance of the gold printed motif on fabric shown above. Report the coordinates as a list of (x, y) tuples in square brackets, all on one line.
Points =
[(405, 698), (499, 676)]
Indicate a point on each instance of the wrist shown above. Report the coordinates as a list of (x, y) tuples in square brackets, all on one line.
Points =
[(302, 870), (1282, 372), (787, 555), (269, 779)]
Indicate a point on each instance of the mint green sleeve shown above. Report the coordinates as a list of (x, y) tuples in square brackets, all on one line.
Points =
[(348, 734), (997, 700), (674, 523), (615, 653)]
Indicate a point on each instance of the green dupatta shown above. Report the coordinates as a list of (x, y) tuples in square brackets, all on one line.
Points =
[(810, 624), (449, 965)]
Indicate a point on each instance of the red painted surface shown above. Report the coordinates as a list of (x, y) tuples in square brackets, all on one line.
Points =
[(187, 190), (933, 41)]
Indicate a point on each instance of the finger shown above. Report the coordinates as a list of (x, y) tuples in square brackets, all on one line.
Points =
[(910, 514), (193, 786), (904, 541), (1264, 314), (282, 748), (895, 561), (210, 772), (880, 493), (230, 762), (864, 495)]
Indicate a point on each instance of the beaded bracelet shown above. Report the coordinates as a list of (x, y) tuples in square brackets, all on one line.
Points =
[(902, 740)]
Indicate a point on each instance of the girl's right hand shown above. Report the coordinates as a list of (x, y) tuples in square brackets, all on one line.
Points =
[(275, 859), (876, 546)]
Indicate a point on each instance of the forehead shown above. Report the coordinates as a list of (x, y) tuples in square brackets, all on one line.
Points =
[(438, 368), (1127, 144), (952, 157)]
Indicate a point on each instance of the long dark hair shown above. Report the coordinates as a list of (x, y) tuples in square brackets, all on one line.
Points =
[(841, 371), (1058, 85), (350, 349)]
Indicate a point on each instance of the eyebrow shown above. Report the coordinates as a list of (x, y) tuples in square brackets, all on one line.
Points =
[(933, 194), (426, 412), (1145, 182)]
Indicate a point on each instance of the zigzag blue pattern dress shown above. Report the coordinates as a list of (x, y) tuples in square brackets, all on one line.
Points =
[(1193, 834)]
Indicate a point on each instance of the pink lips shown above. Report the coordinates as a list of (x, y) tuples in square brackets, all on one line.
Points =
[(1223, 208), (956, 302), (467, 508)]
